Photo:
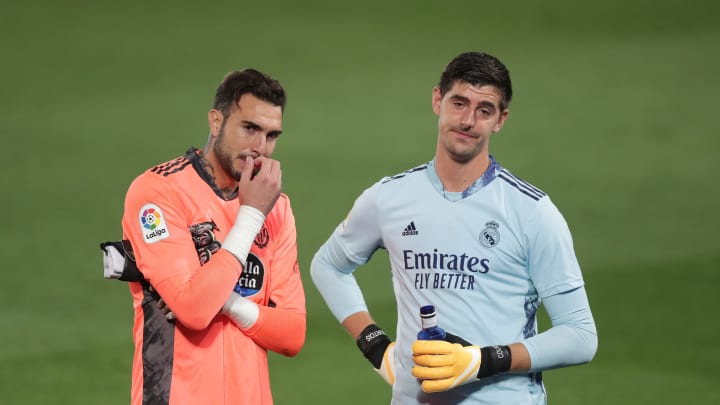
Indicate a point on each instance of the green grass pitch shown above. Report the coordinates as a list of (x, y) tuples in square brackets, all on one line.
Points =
[(614, 116)]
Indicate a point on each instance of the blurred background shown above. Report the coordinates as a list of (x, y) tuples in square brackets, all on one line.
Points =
[(614, 115)]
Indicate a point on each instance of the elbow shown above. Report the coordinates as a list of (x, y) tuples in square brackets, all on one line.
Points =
[(294, 347), (591, 348), (315, 269), (280, 331), (296, 343), (586, 348), (194, 321)]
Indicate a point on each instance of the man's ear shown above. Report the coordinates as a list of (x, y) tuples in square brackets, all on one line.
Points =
[(215, 121), (436, 98), (501, 121)]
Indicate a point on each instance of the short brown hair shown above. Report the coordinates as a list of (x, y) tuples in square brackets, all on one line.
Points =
[(478, 69), (239, 82)]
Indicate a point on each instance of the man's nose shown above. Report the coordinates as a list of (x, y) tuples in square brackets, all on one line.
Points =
[(260, 144), (468, 119)]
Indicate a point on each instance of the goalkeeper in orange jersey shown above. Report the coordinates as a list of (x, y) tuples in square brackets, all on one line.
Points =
[(214, 242)]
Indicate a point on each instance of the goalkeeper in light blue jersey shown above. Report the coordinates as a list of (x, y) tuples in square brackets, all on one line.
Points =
[(483, 246)]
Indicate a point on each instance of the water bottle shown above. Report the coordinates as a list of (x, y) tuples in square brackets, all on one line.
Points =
[(430, 330)]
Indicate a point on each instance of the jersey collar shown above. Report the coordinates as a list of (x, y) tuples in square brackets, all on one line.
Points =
[(490, 174), (193, 155)]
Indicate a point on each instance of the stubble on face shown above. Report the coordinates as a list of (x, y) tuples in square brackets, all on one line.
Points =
[(465, 141), (224, 156), (214, 145), (226, 159), (461, 148), (459, 154)]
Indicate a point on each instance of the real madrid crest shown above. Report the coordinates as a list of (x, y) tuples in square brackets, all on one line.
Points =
[(490, 236)]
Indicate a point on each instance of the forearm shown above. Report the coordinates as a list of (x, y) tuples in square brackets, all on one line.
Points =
[(279, 330), (355, 323), (571, 340), (196, 301), (561, 346), (520, 358)]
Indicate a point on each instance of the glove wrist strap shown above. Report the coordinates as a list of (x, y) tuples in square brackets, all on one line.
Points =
[(495, 359), (372, 342)]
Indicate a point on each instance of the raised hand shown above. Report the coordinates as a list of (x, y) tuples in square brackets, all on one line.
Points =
[(262, 189)]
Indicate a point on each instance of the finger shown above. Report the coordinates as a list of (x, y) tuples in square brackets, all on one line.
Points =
[(432, 373), (433, 360), (247, 168), (275, 172), (213, 247), (274, 166), (436, 385), (257, 166), (170, 316), (268, 166), (204, 255), (160, 303), (202, 233), (432, 347)]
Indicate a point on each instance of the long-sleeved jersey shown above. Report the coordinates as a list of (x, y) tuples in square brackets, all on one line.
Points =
[(486, 258), (203, 357)]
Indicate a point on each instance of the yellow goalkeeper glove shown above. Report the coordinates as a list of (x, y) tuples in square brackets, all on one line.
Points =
[(387, 367), (443, 365)]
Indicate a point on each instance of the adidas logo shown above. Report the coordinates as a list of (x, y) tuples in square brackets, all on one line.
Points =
[(410, 229)]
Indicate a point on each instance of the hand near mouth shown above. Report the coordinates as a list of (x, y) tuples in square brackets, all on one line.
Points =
[(263, 187)]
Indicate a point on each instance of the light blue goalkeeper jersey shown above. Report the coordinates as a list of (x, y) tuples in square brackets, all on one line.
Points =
[(484, 258)]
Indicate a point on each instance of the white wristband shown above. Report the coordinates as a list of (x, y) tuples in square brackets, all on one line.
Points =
[(241, 310), (239, 239)]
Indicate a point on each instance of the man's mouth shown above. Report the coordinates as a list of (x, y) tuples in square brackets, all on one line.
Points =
[(463, 133)]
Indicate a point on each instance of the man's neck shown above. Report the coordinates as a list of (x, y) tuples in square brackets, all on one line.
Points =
[(227, 186), (456, 176)]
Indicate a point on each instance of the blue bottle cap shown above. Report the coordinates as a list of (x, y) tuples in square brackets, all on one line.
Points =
[(427, 310)]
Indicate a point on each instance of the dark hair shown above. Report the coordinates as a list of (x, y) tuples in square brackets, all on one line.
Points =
[(240, 82), (478, 69)]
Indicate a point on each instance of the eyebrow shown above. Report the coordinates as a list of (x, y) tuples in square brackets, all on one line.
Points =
[(464, 99), (256, 126)]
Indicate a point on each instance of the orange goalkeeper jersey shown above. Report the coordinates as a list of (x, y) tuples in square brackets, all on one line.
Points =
[(203, 357)]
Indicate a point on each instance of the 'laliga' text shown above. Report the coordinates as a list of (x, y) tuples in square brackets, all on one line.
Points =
[(155, 233)]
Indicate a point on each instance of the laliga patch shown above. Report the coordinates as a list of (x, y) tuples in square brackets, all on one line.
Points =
[(252, 277), (152, 223)]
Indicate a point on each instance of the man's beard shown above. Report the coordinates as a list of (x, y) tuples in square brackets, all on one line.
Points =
[(225, 159)]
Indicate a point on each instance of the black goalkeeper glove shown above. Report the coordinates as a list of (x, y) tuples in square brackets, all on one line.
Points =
[(379, 350), (119, 259)]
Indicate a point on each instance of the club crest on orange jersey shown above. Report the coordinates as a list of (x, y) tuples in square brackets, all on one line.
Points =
[(262, 238)]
